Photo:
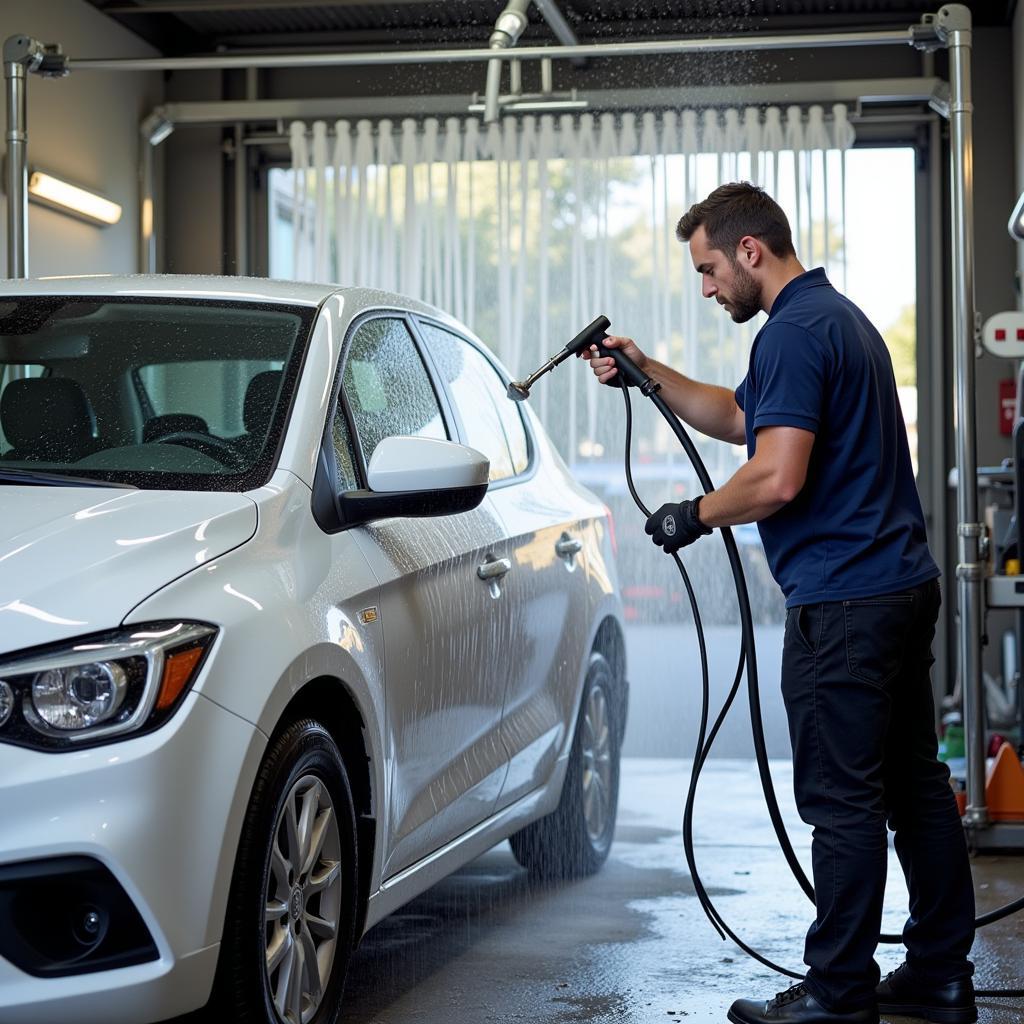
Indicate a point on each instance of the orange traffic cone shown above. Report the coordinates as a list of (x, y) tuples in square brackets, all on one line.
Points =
[(1004, 790)]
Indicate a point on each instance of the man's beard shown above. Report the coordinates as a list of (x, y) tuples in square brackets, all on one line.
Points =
[(745, 301)]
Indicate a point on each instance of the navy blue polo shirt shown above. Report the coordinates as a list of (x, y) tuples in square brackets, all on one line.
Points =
[(856, 529)]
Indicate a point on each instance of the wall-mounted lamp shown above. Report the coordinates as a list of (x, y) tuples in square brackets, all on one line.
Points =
[(49, 190)]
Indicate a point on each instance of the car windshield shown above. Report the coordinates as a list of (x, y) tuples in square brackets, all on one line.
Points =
[(153, 393)]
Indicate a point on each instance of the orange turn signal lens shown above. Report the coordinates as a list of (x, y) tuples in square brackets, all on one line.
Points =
[(178, 669)]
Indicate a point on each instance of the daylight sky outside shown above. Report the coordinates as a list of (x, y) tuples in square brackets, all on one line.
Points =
[(880, 233)]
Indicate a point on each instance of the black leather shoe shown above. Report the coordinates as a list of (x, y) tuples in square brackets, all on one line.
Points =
[(796, 1006), (901, 992)]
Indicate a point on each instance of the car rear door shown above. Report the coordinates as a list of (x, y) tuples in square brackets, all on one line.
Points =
[(441, 621), (547, 587)]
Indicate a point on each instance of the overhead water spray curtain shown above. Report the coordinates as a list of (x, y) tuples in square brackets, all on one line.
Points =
[(528, 228)]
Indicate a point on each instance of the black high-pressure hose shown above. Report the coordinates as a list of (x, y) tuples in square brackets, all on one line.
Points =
[(748, 655), (630, 374)]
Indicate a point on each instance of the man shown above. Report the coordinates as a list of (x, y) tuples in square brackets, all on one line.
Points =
[(830, 484)]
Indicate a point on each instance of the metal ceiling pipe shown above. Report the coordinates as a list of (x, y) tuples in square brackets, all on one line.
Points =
[(696, 45), (552, 14), (507, 29)]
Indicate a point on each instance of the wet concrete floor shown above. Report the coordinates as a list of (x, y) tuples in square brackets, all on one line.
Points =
[(631, 944)]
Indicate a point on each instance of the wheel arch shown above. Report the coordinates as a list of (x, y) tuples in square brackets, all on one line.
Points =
[(610, 642), (329, 701)]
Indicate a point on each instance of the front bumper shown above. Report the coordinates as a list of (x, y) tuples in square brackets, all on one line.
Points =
[(162, 812)]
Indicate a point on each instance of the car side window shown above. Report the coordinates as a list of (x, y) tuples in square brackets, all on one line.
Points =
[(387, 387), (491, 421)]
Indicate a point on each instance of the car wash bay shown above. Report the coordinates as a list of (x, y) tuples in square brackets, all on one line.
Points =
[(631, 944), (525, 211)]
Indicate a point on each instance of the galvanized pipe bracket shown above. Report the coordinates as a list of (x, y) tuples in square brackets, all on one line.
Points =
[(926, 35), (24, 50)]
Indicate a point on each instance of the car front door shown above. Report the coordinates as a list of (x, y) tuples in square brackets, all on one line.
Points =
[(547, 588), (442, 607)]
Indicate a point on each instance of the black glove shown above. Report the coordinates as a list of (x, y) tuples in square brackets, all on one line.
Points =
[(674, 526)]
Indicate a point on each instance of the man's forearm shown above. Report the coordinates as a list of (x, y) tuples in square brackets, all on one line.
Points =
[(754, 492), (706, 407)]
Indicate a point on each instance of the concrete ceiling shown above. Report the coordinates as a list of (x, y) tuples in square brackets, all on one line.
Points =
[(204, 26)]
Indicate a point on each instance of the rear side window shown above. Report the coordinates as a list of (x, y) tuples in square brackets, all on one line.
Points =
[(387, 387), (491, 421)]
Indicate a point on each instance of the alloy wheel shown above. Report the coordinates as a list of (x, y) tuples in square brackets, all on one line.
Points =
[(597, 763), (303, 901)]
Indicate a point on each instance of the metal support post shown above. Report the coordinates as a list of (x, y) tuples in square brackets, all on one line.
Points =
[(17, 52), (241, 197), (954, 24), (22, 55), (152, 131), (147, 227), (16, 182)]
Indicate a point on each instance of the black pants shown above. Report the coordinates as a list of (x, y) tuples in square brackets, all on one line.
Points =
[(855, 678)]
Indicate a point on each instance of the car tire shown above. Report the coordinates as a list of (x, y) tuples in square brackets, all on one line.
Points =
[(574, 840), (288, 902)]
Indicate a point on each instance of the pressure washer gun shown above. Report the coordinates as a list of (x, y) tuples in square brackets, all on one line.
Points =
[(593, 334)]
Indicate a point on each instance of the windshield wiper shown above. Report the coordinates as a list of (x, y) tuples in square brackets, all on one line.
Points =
[(42, 479)]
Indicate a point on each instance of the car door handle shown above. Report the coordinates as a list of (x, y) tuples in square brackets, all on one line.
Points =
[(493, 569), (568, 546)]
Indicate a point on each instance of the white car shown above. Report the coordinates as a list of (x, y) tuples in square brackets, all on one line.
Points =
[(298, 614)]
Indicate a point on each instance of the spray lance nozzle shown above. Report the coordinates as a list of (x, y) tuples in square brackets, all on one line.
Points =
[(593, 334)]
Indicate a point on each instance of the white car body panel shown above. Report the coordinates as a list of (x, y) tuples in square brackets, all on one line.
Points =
[(467, 701), (75, 560), (551, 597), (99, 802), (444, 689)]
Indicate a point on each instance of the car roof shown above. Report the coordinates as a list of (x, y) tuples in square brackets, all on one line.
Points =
[(200, 286)]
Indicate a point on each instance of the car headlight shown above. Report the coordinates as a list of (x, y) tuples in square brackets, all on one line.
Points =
[(101, 687)]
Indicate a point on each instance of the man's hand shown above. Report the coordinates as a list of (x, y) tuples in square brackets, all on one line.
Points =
[(604, 366), (675, 526)]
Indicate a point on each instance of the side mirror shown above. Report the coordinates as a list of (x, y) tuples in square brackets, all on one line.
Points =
[(407, 476)]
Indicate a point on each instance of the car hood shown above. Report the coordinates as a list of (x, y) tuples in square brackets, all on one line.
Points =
[(74, 560)]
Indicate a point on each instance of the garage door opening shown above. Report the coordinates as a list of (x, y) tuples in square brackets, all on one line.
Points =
[(614, 222)]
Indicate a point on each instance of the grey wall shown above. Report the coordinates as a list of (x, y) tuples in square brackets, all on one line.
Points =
[(85, 128), (194, 201)]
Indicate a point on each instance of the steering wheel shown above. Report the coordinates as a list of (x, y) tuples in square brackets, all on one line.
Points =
[(206, 444)]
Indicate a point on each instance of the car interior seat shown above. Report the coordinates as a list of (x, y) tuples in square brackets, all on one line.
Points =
[(48, 419), (260, 396)]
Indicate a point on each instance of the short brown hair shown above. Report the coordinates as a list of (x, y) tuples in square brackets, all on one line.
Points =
[(733, 211)]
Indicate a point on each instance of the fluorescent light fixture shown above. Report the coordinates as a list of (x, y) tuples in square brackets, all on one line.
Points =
[(80, 202), (1016, 225)]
